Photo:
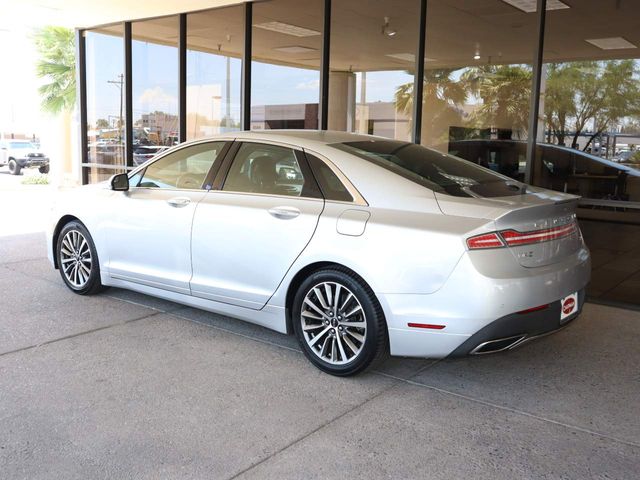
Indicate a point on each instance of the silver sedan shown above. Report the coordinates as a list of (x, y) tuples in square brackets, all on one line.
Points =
[(360, 246)]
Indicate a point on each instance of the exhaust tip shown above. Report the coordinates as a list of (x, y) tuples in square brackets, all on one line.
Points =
[(497, 345)]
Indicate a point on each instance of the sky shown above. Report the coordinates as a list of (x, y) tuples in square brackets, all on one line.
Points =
[(155, 71), (19, 99)]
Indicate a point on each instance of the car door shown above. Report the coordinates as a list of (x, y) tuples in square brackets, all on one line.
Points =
[(248, 233), (149, 232)]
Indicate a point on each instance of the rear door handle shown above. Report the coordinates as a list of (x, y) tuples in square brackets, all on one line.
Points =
[(284, 213), (179, 202)]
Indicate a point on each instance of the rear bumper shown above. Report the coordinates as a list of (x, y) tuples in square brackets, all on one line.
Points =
[(474, 307), (514, 330)]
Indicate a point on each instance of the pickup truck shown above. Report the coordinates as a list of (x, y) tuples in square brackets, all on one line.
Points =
[(19, 154)]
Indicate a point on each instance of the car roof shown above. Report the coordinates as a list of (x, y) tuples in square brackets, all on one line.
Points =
[(304, 137)]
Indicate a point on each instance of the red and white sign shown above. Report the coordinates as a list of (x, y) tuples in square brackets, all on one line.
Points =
[(569, 306)]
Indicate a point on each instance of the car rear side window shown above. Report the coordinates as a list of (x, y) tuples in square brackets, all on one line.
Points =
[(330, 185), (269, 170), (435, 170), (185, 168)]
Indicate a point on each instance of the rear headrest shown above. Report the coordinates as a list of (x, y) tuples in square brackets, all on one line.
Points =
[(264, 172)]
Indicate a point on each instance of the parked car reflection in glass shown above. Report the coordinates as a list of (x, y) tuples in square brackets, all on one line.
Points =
[(558, 168)]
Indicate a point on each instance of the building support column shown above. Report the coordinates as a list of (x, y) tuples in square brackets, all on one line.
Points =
[(182, 78), (418, 77), (81, 91), (535, 93), (128, 96), (245, 119), (324, 67), (342, 102)]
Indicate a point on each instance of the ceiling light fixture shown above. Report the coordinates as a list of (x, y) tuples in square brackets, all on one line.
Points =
[(530, 6), (476, 56), (386, 28), (295, 49), (611, 43), (406, 57), (287, 29)]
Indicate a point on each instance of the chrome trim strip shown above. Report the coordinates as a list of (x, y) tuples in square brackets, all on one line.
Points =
[(107, 166), (232, 192), (519, 338)]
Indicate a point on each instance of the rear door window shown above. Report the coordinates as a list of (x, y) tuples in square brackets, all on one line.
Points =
[(269, 170)]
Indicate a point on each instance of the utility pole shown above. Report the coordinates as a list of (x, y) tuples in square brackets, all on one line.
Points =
[(119, 83), (228, 94)]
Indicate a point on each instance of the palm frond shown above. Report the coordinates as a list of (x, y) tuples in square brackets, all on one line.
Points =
[(56, 49)]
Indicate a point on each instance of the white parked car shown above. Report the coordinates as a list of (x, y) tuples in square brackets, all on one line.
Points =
[(142, 153), (373, 245), (19, 154)]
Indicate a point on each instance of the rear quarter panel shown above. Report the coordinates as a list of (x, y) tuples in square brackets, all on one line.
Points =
[(399, 251)]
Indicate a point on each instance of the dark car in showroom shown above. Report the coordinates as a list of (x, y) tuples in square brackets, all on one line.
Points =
[(557, 168)]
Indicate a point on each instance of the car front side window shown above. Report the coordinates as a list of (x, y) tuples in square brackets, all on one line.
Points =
[(186, 168)]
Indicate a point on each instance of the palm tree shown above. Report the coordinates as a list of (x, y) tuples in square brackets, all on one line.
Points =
[(56, 48), (505, 91), (442, 98), (56, 66)]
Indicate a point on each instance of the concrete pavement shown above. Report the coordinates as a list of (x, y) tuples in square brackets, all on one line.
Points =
[(121, 385)]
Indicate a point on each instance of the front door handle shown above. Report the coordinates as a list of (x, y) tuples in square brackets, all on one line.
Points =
[(179, 202), (284, 213)]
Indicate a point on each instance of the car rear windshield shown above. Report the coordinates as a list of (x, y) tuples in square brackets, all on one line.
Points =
[(432, 169)]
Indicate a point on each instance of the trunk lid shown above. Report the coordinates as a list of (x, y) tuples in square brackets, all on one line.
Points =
[(546, 217)]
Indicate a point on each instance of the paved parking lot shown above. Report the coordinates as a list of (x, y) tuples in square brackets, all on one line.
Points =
[(122, 385)]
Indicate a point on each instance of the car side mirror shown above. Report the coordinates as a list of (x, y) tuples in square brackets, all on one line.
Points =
[(120, 182)]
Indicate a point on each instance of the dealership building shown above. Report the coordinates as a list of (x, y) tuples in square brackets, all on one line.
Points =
[(544, 91)]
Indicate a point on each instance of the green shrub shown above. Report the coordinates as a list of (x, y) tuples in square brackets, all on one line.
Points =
[(36, 180)]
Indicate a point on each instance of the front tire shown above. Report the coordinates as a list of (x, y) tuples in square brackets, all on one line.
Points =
[(14, 168), (44, 169), (78, 259), (339, 322)]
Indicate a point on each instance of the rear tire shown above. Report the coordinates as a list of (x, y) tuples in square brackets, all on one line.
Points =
[(339, 322), (44, 169), (14, 168), (78, 259)]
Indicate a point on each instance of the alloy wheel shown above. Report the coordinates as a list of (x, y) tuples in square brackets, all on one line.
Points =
[(75, 258), (333, 323)]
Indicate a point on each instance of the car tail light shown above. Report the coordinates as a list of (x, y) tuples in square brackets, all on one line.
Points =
[(513, 238), (486, 240)]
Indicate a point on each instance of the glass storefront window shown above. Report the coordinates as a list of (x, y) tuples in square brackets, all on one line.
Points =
[(285, 68), (372, 66), (105, 102), (477, 82), (154, 50), (589, 129), (215, 40)]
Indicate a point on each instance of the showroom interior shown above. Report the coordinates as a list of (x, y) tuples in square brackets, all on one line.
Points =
[(549, 96)]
